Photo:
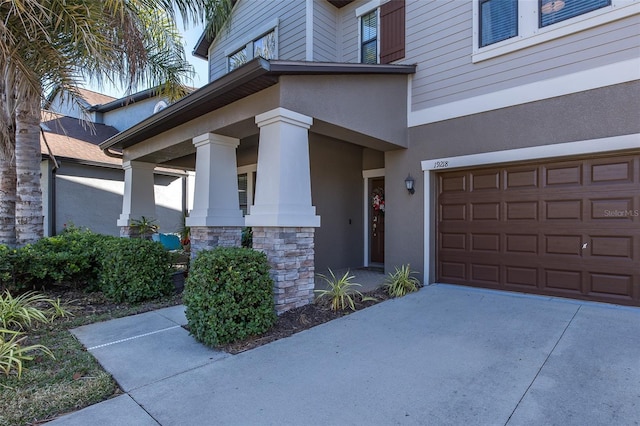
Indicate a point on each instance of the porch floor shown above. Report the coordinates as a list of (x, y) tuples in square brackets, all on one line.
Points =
[(369, 278)]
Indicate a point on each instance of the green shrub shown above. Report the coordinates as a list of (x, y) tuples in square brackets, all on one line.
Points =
[(133, 270), (229, 295), (69, 258), (401, 282), (247, 237)]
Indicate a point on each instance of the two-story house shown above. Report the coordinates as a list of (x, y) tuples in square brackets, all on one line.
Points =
[(491, 143), (83, 186)]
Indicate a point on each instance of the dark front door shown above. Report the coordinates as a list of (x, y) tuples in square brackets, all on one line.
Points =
[(376, 221)]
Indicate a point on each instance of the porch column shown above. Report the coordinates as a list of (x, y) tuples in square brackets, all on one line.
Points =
[(282, 217), (139, 199), (216, 218)]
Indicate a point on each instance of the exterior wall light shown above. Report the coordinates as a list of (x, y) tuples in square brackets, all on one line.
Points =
[(409, 184)]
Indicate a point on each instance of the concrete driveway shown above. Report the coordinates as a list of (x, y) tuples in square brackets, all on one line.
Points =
[(446, 355)]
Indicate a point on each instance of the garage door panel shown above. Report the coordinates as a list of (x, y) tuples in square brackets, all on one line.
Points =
[(607, 171), (564, 228), (520, 178), (521, 244), (563, 175), (566, 280), (612, 246), (608, 285), (563, 209), (522, 210), (485, 211), (518, 277), (487, 274), (486, 242), (485, 181), (453, 183)]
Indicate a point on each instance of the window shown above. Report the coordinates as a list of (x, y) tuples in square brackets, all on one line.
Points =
[(504, 26), (246, 185), (237, 59), (369, 38), (381, 31), (242, 193), (552, 11), (498, 20), (264, 46)]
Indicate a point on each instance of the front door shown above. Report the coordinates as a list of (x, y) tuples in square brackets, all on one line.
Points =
[(376, 225)]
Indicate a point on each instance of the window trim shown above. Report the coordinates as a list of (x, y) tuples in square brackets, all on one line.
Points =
[(365, 9), (377, 38), (250, 38), (250, 170), (529, 34)]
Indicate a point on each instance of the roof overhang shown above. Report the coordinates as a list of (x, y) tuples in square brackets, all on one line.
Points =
[(254, 76)]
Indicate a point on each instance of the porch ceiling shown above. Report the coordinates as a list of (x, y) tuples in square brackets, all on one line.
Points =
[(360, 103)]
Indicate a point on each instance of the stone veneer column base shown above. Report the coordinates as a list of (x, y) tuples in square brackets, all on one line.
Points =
[(291, 255), (209, 237), (129, 232)]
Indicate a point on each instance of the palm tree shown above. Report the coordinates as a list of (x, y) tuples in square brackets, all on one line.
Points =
[(59, 43)]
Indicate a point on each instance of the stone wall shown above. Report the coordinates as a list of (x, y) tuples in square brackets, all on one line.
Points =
[(291, 255), (209, 237)]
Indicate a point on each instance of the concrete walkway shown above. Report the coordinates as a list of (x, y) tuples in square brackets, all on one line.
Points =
[(446, 355)]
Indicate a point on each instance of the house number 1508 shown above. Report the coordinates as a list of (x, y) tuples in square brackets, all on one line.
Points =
[(441, 164)]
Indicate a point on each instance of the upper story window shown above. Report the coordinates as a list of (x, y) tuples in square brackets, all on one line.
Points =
[(381, 31), (369, 38), (552, 11), (504, 26), (263, 45), (498, 20)]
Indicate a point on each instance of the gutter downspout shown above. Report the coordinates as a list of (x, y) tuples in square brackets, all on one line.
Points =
[(51, 202), (107, 151)]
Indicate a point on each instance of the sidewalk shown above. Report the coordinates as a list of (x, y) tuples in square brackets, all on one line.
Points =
[(446, 355)]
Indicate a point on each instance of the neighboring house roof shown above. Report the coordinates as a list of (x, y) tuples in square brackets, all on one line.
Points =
[(70, 138), (254, 76), (95, 98)]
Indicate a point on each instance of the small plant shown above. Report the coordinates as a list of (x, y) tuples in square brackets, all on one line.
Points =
[(247, 237), (401, 282), (13, 354), (19, 313), (229, 295), (341, 292), (145, 226)]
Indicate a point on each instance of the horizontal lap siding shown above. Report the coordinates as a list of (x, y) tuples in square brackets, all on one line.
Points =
[(251, 14), (439, 39), (348, 33), (324, 32)]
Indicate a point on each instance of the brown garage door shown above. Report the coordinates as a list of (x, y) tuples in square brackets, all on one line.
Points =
[(569, 228)]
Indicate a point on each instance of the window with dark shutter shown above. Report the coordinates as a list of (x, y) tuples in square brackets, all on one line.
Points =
[(392, 31)]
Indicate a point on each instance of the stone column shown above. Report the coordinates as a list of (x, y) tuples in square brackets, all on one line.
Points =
[(282, 217), (139, 199), (216, 218)]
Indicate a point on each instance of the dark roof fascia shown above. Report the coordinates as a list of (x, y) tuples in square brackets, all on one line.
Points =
[(122, 102), (252, 77), (201, 49)]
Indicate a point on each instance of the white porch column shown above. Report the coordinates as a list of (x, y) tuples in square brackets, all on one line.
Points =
[(282, 216), (283, 187), (216, 218), (139, 199)]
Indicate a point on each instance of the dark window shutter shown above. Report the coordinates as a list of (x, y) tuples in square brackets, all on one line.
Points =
[(392, 17)]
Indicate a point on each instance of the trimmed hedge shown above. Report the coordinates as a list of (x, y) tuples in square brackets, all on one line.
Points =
[(133, 270), (126, 270), (69, 258), (229, 295)]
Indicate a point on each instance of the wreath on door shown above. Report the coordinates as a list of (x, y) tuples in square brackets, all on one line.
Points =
[(377, 200)]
